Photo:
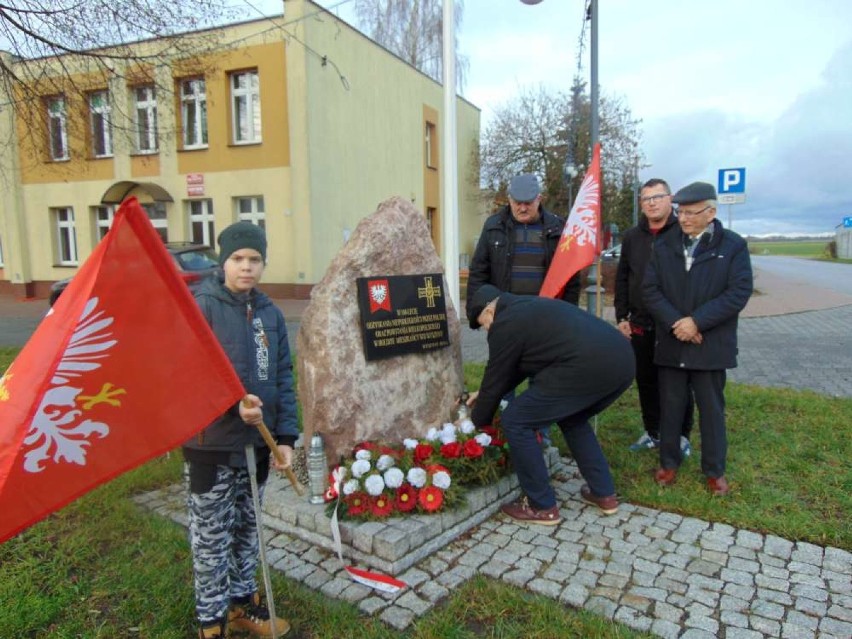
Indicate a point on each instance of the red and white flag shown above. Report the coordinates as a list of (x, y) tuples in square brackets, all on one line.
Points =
[(580, 242), (123, 368)]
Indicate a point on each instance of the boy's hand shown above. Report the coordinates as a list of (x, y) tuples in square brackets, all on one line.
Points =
[(250, 411), (287, 453)]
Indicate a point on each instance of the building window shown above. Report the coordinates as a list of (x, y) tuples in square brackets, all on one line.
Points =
[(201, 228), (1, 252), (431, 140), (146, 119), (157, 214), (58, 128), (102, 217), (101, 123), (245, 107), (193, 105), (251, 210), (66, 236)]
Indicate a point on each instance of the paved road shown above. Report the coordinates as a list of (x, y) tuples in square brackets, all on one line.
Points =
[(832, 276)]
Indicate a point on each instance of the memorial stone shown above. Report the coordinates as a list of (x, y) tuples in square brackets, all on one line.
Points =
[(347, 398)]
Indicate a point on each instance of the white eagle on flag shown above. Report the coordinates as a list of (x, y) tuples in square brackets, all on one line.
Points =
[(582, 224), (58, 431)]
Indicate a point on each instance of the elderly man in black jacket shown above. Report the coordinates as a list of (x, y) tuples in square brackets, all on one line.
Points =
[(581, 365), (697, 282)]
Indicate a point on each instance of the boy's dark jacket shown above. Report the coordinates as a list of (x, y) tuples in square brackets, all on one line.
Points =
[(231, 318)]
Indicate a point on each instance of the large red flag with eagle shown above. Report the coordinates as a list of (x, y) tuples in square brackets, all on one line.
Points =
[(123, 368), (581, 238)]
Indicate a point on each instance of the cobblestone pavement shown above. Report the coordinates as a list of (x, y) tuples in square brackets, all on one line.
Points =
[(653, 571)]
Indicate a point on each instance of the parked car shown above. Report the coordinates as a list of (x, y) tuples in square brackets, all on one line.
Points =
[(194, 263)]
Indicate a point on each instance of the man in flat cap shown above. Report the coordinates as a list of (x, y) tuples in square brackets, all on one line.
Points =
[(581, 365), (515, 248), (697, 282)]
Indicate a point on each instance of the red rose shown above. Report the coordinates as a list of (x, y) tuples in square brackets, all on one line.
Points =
[(357, 503), (365, 446), (381, 506), (451, 451), (494, 433), (406, 498), (422, 452), (472, 448), (436, 468)]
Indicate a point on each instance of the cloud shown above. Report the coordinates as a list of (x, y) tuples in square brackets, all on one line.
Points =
[(798, 166)]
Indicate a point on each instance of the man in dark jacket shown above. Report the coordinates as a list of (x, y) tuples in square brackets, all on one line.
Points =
[(222, 519), (634, 321), (697, 282), (517, 244), (581, 365), (515, 249)]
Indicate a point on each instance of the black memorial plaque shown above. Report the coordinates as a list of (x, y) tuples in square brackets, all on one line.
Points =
[(402, 314)]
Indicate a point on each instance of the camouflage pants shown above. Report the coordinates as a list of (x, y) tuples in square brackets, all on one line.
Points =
[(222, 536)]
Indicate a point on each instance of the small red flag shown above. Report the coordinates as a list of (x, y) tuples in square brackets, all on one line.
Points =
[(580, 241), (123, 368)]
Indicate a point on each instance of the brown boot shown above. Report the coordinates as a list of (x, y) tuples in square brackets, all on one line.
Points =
[(253, 616), (212, 631)]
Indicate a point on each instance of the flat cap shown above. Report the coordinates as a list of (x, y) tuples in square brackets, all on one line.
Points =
[(484, 295), (524, 187), (695, 192)]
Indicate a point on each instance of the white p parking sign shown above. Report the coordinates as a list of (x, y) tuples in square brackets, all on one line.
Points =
[(732, 185)]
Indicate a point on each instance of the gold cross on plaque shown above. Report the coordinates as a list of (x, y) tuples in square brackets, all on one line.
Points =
[(429, 291)]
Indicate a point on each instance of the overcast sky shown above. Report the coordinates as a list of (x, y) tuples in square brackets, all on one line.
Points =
[(760, 84)]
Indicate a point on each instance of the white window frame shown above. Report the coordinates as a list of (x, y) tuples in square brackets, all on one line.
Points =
[(251, 208), (102, 217), (100, 122), (201, 212), (145, 119), (1, 252), (159, 216), (429, 137), (193, 110), (57, 129), (245, 107), (66, 236)]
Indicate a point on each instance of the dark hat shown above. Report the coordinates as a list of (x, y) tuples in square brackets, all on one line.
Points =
[(239, 236), (695, 192), (524, 188), (484, 295)]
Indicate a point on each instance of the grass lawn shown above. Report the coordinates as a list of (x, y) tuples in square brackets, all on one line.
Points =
[(799, 248), (102, 568)]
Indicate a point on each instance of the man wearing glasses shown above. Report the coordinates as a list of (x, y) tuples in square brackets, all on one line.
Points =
[(634, 321), (698, 280)]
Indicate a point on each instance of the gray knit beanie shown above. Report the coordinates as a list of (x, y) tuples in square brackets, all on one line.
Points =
[(239, 236)]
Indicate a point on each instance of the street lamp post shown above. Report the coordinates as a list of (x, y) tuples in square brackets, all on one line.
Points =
[(569, 172)]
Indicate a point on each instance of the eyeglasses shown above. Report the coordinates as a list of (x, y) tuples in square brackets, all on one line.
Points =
[(654, 198), (682, 213)]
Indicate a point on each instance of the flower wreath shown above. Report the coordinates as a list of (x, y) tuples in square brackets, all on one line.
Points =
[(428, 475)]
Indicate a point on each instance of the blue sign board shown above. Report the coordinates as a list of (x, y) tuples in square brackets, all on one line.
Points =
[(847, 222), (732, 180)]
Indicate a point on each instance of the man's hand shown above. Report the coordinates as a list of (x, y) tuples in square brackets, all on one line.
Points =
[(686, 330), (624, 327), (472, 399), (250, 411)]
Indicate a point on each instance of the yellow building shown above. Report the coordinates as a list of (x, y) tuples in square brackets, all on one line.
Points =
[(299, 123)]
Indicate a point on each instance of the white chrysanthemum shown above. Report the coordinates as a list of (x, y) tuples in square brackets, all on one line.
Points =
[(467, 427), (374, 485), (384, 462), (483, 439), (448, 437), (410, 444), (360, 467), (417, 477), (351, 486), (431, 434), (364, 454), (394, 477), (441, 479)]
